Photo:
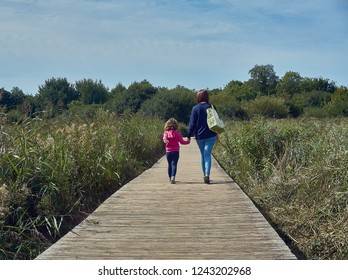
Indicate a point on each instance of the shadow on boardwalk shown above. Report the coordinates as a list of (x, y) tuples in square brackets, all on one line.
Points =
[(151, 219)]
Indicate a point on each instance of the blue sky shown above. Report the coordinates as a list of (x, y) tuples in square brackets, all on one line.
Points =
[(196, 44)]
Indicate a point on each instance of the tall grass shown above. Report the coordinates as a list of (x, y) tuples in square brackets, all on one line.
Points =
[(296, 172), (55, 172)]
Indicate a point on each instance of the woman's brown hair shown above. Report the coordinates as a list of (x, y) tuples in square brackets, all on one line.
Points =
[(202, 96)]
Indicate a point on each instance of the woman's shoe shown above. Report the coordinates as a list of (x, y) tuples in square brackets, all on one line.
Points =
[(172, 180), (206, 179)]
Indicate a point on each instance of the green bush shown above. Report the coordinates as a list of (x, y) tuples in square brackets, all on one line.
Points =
[(228, 106), (298, 103), (266, 106), (175, 103), (338, 107), (316, 112)]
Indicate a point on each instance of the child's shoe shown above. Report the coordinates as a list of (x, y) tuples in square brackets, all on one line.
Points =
[(172, 180), (206, 179)]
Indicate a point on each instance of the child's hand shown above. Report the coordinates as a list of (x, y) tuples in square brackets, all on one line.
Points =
[(165, 141)]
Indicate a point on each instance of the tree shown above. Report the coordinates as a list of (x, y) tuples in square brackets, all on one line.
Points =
[(339, 103), (176, 103), (4, 97), (317, 84), (132, 98), (91, 92), (214, 91), (17, 96), (30, 105), (118, 89), (56, 94), (263, 79), (11, 100), (241, 91), (301, 102), (228, 106), (232, 86), (290, 83)]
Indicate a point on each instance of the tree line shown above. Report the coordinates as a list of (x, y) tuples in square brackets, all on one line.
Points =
[(263, 94)]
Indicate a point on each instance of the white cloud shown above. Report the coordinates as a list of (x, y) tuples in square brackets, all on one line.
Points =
[(168, 42)]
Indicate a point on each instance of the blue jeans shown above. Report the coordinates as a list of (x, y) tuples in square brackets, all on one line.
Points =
[(172, 158), (206, 148)]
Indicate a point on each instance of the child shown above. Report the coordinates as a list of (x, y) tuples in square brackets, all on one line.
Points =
[(172, 138)]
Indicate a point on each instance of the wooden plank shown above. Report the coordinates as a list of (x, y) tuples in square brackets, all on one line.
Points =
[(151, 219)]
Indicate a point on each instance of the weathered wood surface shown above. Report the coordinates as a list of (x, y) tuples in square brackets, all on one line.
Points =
[(151, 219)]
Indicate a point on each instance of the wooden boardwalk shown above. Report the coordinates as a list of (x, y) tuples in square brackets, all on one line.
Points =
[(151, 219)]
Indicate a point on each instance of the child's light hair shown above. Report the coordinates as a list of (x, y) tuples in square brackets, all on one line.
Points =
[(171, 124)]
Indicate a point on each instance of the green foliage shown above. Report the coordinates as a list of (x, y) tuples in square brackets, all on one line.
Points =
[(130, 100), (118, 89), (313, 98), (315, 112), (296, 172), (241, 91), (176, 103), (14, 116), (91, 92), (289, 84), (54, 171), (317, 84), (30, 106), (228, 106), (308, 101), (266, 106), (55, 95), (10, 100), (213, 92), (263, 79), (302, 96), (4, 97), (339, 103)]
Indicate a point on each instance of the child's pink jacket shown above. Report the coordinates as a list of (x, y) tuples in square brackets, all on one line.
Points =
[(174, 138)]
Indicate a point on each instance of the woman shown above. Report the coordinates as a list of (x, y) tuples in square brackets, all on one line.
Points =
[(204, 136)]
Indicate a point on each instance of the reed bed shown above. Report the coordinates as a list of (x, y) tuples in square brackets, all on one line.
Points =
[(296, 173), (54, 172)]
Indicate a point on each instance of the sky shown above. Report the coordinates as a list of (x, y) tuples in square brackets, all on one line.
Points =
[(196, 44)]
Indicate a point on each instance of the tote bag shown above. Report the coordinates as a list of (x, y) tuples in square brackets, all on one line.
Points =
[(214, 122)]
